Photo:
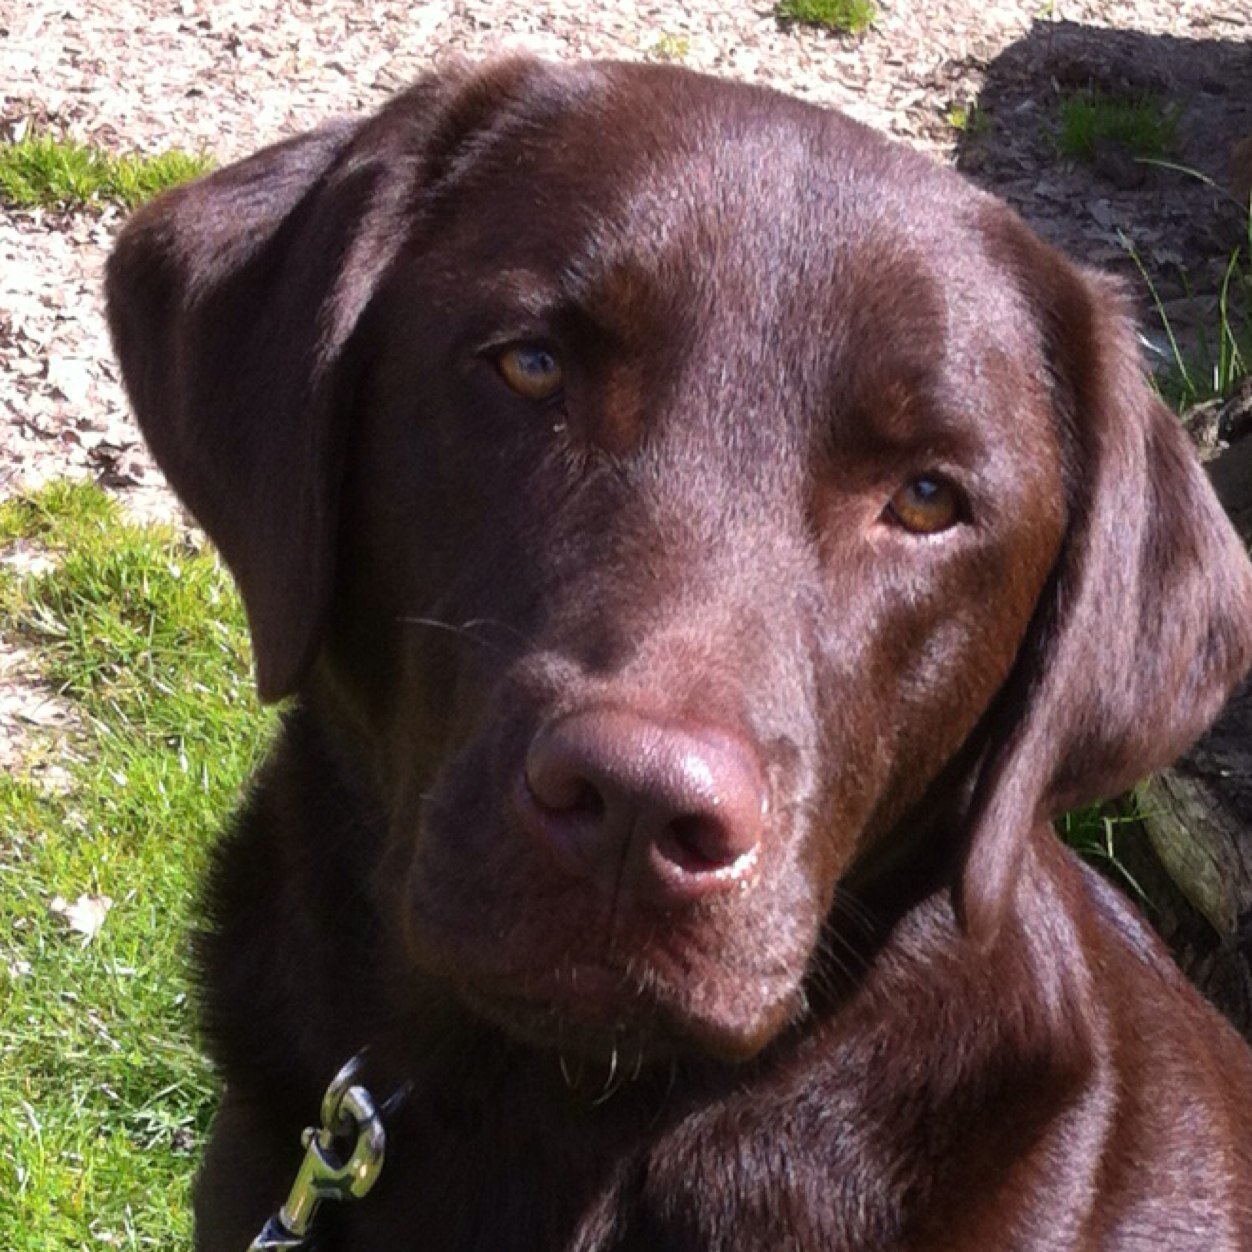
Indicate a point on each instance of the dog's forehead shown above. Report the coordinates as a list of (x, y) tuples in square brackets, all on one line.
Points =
[(658, 158), (640, 180), (740, 253)]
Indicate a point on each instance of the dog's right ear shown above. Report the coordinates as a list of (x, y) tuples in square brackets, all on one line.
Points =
[(233, 303), (230, 317)]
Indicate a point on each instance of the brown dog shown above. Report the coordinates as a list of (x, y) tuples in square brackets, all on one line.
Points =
[(706, 545)]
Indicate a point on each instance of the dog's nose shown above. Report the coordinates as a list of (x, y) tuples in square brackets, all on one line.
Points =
[(639, 806)]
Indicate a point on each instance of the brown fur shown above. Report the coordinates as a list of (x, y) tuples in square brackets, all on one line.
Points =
[(913, 1021)]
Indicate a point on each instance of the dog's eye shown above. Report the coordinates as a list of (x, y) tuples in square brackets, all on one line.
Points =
[(531, 371), (925, 505)]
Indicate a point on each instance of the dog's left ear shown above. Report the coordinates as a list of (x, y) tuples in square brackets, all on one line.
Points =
[(1146, 624)]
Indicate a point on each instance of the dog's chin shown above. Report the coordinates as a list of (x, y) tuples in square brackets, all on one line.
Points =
[(596, 1016)]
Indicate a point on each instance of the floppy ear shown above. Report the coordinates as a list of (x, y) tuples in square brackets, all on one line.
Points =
[(1146, 625), (230, 319), (233, 302)]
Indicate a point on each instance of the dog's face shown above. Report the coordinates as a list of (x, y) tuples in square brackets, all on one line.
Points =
[(679, 500), (748, 509)]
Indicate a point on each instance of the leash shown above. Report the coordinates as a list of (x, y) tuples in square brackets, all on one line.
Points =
[(343, 1158)]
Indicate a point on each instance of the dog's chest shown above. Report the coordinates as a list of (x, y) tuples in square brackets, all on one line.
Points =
[(722, 1179)]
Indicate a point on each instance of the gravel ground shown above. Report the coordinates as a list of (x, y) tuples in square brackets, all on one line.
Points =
[(226, 76)]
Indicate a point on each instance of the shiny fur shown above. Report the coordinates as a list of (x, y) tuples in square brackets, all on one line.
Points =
[(918, 1023)]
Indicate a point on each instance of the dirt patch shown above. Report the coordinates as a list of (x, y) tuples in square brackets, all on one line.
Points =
[(1182, 221)]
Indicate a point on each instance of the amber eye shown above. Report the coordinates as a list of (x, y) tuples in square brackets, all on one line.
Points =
[(926, 505), (531, 371)]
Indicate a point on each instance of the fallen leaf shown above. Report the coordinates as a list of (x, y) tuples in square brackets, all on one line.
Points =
[(86, 915)]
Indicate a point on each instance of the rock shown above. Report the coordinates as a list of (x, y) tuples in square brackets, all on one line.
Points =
[(1213, 426), (1231, 475)]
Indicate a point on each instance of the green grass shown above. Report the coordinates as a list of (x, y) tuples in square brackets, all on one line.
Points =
[(1094, 832), (972, 120), (104, 1097), (848, 17), (42, 171), (1144, 125), (1221, 356)]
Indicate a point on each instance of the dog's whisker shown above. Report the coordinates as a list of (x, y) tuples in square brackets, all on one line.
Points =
[(832, 937), (638, 1065), (565, 1074), (464, 631), (477, 623), (855, 910), (610, 1085)]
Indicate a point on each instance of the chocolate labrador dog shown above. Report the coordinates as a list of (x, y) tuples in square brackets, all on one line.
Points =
[(704, 544)]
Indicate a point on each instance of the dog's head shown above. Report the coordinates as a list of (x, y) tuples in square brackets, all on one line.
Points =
[(679, 499)]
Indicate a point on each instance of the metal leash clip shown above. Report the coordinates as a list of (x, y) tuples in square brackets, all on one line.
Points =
[(351, 1122)]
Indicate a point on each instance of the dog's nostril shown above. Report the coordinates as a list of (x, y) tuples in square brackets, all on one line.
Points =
[(557, 784), (588, 801), (696, 844), (575, 797)]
